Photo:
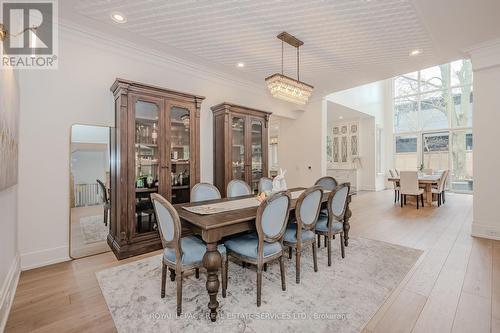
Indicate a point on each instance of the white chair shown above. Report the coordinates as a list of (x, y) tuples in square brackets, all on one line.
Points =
[(440, 189), (408, 182), (396, 185), (427, 171)]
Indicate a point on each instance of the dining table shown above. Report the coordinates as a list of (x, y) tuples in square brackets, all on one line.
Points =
[(426, 181), (216, 219)]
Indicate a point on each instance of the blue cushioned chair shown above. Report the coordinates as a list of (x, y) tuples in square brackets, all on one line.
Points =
[(204, 192), (265, 184), (189, 249), (333, 223), (328, 184), (237, 188), (267, 243), (300, 234)]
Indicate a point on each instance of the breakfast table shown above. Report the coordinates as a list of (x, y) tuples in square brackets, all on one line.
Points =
[(426, 181), (215, 219)]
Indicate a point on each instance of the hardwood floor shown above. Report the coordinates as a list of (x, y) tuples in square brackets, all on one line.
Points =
[(454, 287)]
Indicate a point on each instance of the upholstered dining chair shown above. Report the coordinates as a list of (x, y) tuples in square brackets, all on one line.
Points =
[(408, 182), (441, 187), (238, 188), (204, 191), (396, 185), (328, 184), (105, 200), (267, 243), (334, 223), (189, 249), (265, 184), (300, 234)]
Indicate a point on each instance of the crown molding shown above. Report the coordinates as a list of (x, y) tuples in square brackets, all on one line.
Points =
[(155, 56), (484, 55)]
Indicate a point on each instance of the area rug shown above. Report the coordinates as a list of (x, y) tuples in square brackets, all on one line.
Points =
[(340, 298), (93, 229)]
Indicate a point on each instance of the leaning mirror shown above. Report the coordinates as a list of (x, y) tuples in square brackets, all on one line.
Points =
[(89, 190)]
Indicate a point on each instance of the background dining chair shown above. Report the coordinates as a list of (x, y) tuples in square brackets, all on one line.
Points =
[(267, 243), (438, 191), (396, 185), (334, 223), (189, 249), (265, 184), (328, 184), (238, 188), (300, 234), (105, 200), (427, 171), (408, 182), (397, 172), (204, 191)]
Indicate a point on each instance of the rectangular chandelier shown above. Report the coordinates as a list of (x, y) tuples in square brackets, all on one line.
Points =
[(288, 89), (284, 87)]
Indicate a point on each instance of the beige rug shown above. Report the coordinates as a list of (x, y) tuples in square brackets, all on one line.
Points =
[(340, 298), (93, 229)]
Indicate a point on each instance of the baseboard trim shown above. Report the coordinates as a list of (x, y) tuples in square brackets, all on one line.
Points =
[(8, 291), (483, 230), (46, 257)]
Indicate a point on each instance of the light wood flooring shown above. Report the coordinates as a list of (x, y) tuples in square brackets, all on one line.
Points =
[(454, 287)]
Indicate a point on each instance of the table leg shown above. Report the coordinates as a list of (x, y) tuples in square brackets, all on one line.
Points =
[(428, 194), (212, 261), (347, 226)]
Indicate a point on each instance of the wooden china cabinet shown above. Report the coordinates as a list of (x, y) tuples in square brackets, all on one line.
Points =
[(240, 145), (154, 149)]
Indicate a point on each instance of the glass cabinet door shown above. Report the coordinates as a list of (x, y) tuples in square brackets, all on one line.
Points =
[(257, 154), (238, 148), (180, 134), (147, 159)]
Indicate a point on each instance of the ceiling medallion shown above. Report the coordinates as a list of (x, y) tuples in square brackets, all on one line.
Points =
[(285, 87)]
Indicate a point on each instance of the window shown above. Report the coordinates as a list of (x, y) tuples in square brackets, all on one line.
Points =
[(433, 121)]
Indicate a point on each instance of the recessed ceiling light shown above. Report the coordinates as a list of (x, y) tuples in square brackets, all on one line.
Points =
[(118, 17), (415, 52), (240, 65), (341, 117)]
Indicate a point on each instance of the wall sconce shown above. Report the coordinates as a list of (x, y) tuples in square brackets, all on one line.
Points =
[(3, 33)]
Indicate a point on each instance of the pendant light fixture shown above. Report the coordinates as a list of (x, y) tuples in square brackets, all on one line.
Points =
[(285, 87)]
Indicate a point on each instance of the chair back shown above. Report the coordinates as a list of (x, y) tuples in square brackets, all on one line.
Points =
[(265, 184), (408, 182), (337, 202), (427, 171), (272, 217), (444, 179), (327, 183), (203, 192), (397, 172), (169, 223), (308, 207), (104, 191), (392, 173), (238, 188)]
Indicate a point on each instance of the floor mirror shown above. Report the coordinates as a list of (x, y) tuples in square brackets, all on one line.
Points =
[(89, 190)]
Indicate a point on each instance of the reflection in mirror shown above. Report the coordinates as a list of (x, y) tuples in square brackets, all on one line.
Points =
[(89, 190)]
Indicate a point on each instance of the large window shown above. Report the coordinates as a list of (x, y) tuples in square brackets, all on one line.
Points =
[(433, 121)]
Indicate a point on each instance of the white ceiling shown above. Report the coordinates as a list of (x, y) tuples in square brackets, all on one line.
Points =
[(338, 113), (346, 42)]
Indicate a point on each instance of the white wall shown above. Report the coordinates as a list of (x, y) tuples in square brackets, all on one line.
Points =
[(373, 99), (486, 160), (9, 258), (78, 93)]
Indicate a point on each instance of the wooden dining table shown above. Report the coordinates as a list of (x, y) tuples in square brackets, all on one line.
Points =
[(427, 181), (214, 227)]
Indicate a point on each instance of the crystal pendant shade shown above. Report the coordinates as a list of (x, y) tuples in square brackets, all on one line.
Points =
[(288, 89)]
